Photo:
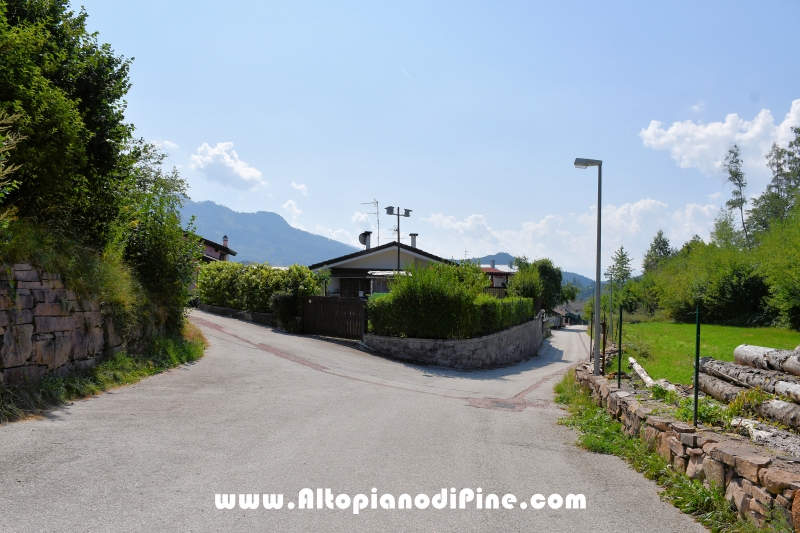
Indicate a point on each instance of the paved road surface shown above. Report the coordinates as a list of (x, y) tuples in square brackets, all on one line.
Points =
[(268, 412)]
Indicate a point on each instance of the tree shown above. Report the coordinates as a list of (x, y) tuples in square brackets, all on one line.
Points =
[(725, 234), (659, 251), (733, 166), (67, 90), (780, 196), (621, 266)]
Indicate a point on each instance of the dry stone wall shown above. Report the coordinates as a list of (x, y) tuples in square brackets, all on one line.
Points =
[(756, 480), (45, 329)]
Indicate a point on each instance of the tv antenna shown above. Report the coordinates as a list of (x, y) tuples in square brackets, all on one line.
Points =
[(377, 214), (465, 254)]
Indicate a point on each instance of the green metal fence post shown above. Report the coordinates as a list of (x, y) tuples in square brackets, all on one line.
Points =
[(696, 363), (619, 351)]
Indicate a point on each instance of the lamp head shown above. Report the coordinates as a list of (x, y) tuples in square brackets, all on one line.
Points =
[(585, 163), (407, 212), (390, 210)]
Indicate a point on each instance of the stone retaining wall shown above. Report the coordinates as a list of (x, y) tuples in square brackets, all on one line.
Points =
[(504, 348), (754, 478), (266, 319), (46, 329)]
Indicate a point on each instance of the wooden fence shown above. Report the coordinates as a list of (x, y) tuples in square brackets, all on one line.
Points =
[(497, 292), (334, 317)]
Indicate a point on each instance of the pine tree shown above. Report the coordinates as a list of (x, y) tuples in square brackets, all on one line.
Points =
[(659, 251)]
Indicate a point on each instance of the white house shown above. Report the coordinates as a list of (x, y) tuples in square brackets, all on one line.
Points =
[(366, 272)]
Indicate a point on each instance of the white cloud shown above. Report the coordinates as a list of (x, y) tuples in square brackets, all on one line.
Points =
[(222, 164), (570, 240), (360, 218), (300, 187), (341, 235), (169, 145), (292, 209), (699, 107), (703, 146), (715, 196)]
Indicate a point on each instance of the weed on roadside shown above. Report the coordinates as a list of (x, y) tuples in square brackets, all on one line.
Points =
[(27, 398), (600, 433)]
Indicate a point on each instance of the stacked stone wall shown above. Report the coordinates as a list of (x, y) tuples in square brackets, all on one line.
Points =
[(755, 479), (45, 329)]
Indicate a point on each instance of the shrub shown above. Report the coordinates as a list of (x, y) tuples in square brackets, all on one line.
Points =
[(218, 284), (287, 307), (443, 302)]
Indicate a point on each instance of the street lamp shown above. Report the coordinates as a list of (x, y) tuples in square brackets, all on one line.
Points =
[(406, 213), (586, 163)]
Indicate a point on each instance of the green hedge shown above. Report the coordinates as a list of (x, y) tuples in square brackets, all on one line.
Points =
[(444, 302), (250, 287)]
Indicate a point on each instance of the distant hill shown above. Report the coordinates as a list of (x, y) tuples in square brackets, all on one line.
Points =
[(262, 236), (503, 258)]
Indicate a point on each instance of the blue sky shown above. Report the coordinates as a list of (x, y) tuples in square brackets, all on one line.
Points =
[(471, 114)]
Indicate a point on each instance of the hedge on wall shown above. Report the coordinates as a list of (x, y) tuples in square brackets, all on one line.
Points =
[(250, 287), (444, 302)]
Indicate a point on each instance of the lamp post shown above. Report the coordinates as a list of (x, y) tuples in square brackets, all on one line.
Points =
[(406, 213), (586, 163)]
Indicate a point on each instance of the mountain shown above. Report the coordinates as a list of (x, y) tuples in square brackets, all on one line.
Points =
[(263, 236), (503, 258)]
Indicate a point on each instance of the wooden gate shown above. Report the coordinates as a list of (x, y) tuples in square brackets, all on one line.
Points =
[(334, 317)]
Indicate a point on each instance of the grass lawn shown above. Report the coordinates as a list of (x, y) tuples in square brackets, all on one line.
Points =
[(672, 345)]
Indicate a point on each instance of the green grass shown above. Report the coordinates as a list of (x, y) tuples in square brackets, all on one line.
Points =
[(26, 399), (600, 433), (672, 346)]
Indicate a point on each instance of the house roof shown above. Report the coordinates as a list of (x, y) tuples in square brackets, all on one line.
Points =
[(218, 246), (499, 269), (388, 246)]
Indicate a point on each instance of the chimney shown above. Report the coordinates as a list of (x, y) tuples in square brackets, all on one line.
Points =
[(364, 239), (492, 263), (413, 239), (510, 263), (225, 241)]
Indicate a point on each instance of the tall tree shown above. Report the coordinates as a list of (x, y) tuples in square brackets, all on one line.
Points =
[(621, 266), (733, 167), (67, 90), (781, 193), (659, 251)]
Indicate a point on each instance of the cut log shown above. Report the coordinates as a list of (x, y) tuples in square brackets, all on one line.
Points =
[(768, 358), (745, 375), (783, 412), (719, 389), (754, 356), (648, 381)]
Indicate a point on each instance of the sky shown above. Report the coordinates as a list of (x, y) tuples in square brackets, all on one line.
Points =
[(468, 113)]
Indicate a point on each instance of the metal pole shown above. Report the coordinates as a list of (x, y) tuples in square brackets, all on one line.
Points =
[(611, 306), (696, 363), (591, 333), (398, 239), (619, 351), (597, 273)]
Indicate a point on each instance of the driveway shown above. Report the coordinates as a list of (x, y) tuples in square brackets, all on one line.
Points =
[(268, 412)]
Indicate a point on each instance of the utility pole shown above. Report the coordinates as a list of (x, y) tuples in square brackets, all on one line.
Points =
[(406, 213), (377, 214)]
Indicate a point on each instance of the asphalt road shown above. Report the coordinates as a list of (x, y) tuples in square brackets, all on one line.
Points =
[(268, 412)]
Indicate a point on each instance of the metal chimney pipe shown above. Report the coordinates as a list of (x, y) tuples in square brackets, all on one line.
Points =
[(367, 235), (225, 241), (413, 239), (492, 263)]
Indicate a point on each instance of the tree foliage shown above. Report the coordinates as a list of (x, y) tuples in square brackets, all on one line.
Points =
[(659, 251), (67, 90)]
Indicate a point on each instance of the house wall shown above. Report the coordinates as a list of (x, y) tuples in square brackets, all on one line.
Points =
[(385, 260)]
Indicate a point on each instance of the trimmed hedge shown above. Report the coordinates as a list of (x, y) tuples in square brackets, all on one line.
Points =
[(444, 302), (250, 287)]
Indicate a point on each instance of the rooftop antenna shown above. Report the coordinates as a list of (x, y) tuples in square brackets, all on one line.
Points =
[(465, 254), (377, 215)]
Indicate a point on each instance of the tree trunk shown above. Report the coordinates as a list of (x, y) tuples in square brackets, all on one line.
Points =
[(784, 412), (719, 389), (768, 358), (744, 376), (648, 381)]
